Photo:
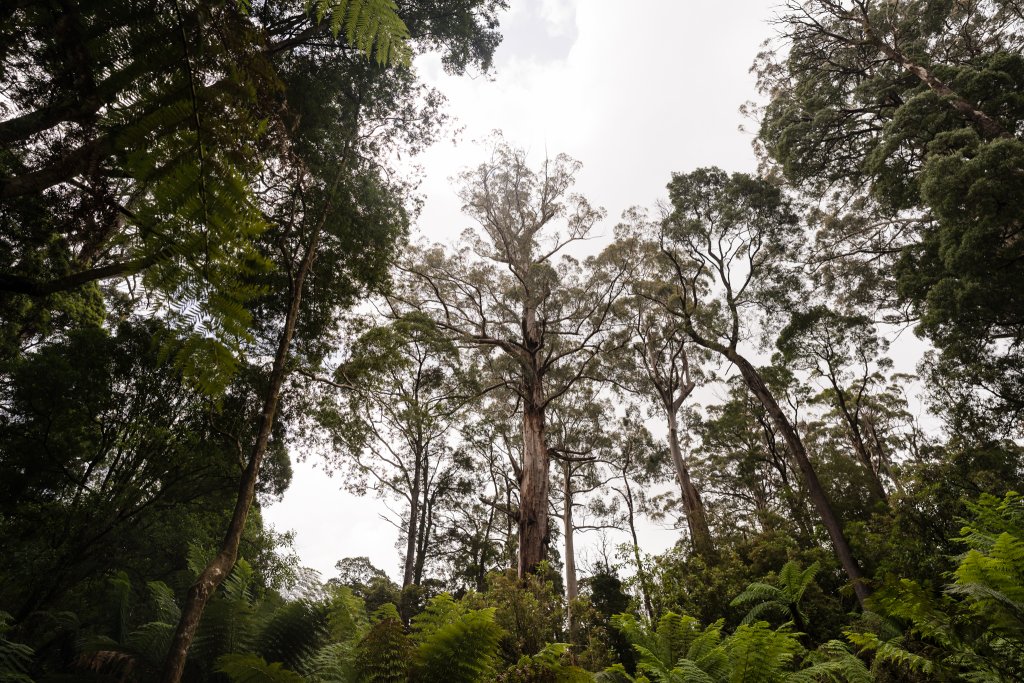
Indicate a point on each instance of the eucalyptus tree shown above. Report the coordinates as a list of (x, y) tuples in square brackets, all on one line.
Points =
[(536, 314), (635, 464), (651, 339), (577, 436), (747, 466), (906, 117), (728, 240), (403, 393), (845, 352)]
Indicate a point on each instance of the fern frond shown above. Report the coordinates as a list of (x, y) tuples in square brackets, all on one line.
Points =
[(462, 650), (254, 669), (15, 658), (760, 654), (756, 592), (832, 662), (294, 634), (372, 27)]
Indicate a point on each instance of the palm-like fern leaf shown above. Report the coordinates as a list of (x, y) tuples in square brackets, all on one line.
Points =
[(373, 27), (254, 669)]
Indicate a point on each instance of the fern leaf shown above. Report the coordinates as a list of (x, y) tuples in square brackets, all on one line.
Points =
[(254, 669), (462, 651)]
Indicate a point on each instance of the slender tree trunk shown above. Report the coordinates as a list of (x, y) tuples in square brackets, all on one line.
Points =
[(817, 493), (412, 528), (533, 490), (645, 588), (571, 585), (859, 446), (221, 565), (426, 527), (883, 455), (693, 507)]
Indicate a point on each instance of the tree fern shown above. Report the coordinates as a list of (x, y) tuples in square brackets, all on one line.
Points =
[(372, 27), (384, 654), (975, 630), (294, 634), (252, 668), (781, 600), (15, 658), (759, 654), (460, 651)]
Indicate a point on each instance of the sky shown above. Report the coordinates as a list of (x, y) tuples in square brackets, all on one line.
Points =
[(633, 90)]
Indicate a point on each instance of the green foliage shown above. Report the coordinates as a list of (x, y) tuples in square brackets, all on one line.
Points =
[(975, 630), (371, 26), (527, 610), (253, 669), (679, 649), (384, 654), (783, 599), (457, 648), (15, 658)]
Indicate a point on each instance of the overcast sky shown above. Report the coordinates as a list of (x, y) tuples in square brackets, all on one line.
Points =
[(634, 90)]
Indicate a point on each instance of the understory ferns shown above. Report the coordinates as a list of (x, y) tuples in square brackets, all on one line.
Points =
[(550, 664), (783, 599), (681, 650), (15, 658), (974, 630)]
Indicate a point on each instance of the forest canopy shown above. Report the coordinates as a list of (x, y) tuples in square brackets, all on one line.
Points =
[(209, 268)]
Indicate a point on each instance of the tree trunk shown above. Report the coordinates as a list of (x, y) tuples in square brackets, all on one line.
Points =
[(817, 493), (533, 489), (426, 527), (221, 565), (645, 588), (571, 585), (693, 507), (412, 528), (989, 126), (859, 446)]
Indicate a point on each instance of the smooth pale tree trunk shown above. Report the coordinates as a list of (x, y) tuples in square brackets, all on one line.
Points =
[(571, 585), (814, 488), (989, 126), (222, 564), (693, 507)]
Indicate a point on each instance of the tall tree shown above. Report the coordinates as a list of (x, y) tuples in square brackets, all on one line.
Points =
[(404, 390), (906, 118), (846, 353), (653, 341), (514, 291), (727, 239)]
